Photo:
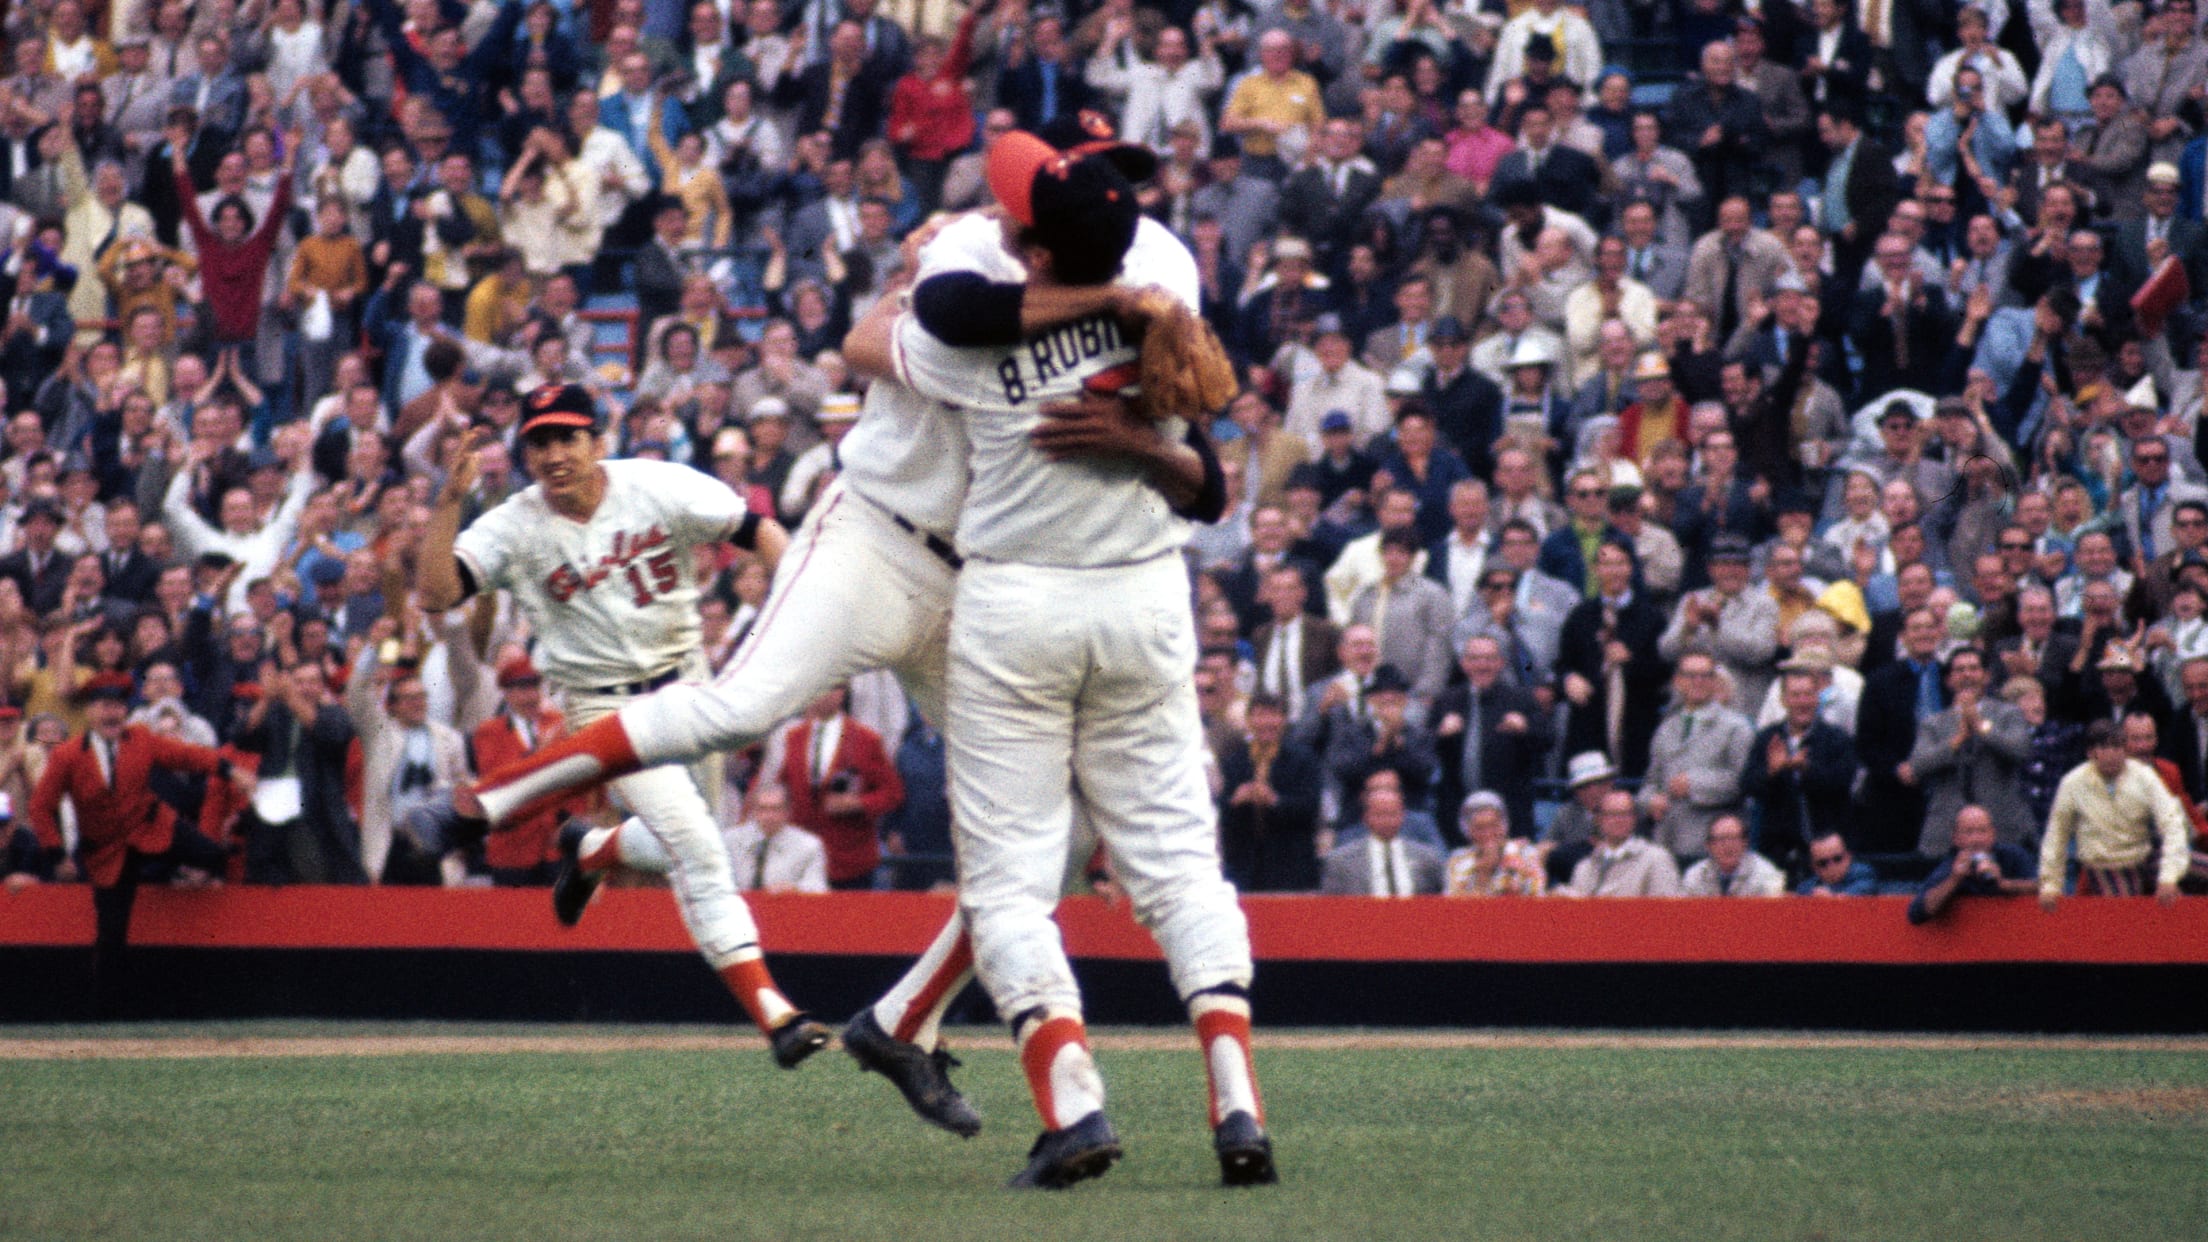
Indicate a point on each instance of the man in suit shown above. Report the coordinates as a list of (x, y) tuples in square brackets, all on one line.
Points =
[(131, 574), (1488, 734), (1244, 583), (1562, 177), (1381, 863), (1410, 614), (660, 270), (841, 783), (1837, 56), (1296, 648), (1659, 264), (410, 766), (302, 736), (1800, 770), (2147, 507), (1526, 610), (2109, 154), (34, 335), (1901, 326), (767, 852), (1458, 559), (2141, 242), (1622, 864), (1323, 201), (1695, 759), (1268, 804), (213, 91), (2042, 650), (1613, 667), (1718, 124), (1047, 83), (1467, 406), (1894, 699), (2047, 162), (40, 573), (121, 825), (843, 93), (1735, 624), (1861, 189), (1732, 265), (524, 851), (1971, 754)]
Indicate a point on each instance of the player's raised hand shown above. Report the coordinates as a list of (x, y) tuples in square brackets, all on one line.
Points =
[(465, 467)]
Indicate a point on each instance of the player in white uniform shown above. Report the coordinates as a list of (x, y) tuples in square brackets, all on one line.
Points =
[(1072, 650), (866, 583), (599, 555)]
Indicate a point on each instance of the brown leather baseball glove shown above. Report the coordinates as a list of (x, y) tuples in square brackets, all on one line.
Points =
[(1185, 372)]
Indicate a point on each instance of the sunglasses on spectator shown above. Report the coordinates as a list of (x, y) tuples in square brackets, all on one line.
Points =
[(1829, 861)]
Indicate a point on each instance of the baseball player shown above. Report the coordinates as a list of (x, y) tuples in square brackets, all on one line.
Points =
[(599, 554), (867, 583), (1071, 646)]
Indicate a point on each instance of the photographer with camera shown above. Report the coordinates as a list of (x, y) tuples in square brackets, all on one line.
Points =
[(841, 783), (1979, 867)]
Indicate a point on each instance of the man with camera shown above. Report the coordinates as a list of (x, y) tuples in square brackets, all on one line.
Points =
[(840, 783), (1980, 867)]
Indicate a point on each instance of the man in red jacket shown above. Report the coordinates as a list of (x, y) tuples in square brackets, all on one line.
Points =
[(840, 782), (120, 824), (525, 852)]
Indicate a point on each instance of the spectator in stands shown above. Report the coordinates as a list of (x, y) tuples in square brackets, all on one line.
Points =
[(1381, 863), (525, 852), (1268, 804), (1732, 869), (2129, 830), (1834, 871), (767, 853), (1735, 625), (1494, 864), (1971, 752), (1621, 863), (1613, 667), (299, 829), (121, 825), (1978, 866), (1695, 759), (410, 763), (1410, 614), (1800, 771), (840, 784)]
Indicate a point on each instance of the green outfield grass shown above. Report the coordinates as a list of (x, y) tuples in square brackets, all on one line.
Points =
[(1799, 1142)]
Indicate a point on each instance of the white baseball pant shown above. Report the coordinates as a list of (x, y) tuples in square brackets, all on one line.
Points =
[(854, 592), (681, 839), (1065, 678)]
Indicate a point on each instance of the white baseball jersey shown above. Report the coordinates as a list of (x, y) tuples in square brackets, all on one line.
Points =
[(906, 453), (614, 598), (1020, 506)]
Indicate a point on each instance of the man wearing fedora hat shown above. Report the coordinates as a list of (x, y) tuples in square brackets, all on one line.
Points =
[(526, 850), (121, 825)]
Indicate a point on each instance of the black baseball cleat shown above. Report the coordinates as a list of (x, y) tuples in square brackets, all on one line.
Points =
[(573, 887), (923, 1076), (1245, 1153), (1076, 1153), (798, 1038)]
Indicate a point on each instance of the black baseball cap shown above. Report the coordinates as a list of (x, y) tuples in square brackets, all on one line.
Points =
[(1077, 202), (558, 405)]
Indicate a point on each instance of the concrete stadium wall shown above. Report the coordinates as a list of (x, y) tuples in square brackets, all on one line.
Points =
[(2097, 965)]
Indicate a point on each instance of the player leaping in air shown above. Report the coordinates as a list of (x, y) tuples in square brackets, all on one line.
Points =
[(598, 554)]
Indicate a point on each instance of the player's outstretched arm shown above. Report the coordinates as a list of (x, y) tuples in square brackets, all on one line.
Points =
[(438, 576), (968, 310)]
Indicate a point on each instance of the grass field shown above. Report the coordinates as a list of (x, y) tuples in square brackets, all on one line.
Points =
[(1501, 1138)]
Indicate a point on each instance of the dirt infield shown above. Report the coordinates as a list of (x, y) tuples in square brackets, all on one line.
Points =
[(131, 1048)]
